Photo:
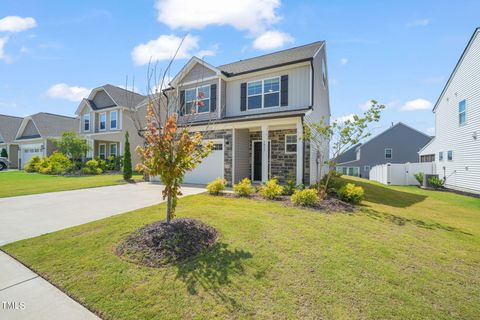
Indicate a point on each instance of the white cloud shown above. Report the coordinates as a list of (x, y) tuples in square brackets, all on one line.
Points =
[(343, 61), (418, 23), (342, 119), (24, 49), (271, 40), (250, 15), (64, 91), (164, 48), (17, 24), (366, 105), (3, 56), (417, 104)]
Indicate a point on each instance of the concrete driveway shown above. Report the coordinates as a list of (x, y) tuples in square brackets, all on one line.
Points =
[(24, 294)]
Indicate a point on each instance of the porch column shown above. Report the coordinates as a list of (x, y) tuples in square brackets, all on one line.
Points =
[(265, 159), (91, 152), (299, 152)]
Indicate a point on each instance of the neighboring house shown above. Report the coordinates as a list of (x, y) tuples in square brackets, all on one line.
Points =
[(36, 131), (254, 110), (398, 144), (8, 129), (456, 146), (105, 117)]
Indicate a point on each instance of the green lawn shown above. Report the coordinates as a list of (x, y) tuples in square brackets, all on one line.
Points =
[(18, 183), (409, 254)]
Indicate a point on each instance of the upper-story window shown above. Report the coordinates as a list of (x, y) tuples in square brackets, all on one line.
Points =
[(449, 155), (86, 122), (103, 121), (462, 112), (197, 100), (440, 156), (113, 119), (388, 153), (263, 93)]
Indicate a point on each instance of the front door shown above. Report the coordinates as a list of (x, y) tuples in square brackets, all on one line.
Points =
[(257, 160)]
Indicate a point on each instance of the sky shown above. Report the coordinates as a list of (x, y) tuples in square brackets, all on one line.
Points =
[(400, 53)]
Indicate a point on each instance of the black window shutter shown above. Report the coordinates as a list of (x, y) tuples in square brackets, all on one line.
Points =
[(213, 97), (243, 96), (182, 102), (284, 91)]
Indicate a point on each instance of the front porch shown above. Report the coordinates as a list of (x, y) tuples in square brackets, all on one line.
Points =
[(104, 148)]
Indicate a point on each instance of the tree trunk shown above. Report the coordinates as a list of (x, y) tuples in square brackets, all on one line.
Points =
[(169, 208)]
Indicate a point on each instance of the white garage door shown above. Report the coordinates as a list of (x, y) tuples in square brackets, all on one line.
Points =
[(29, 151), (210, 168)]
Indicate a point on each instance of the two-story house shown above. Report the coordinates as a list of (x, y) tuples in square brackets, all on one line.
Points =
[(456, 146), (104, 117), (398, 144), (254, 110)]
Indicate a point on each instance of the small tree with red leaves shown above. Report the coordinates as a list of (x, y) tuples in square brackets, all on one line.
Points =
[(170, 152)]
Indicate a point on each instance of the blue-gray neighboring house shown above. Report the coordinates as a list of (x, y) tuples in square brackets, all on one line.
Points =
[(398, 144)]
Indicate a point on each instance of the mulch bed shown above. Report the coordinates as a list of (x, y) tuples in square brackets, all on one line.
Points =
[(161, 243), (328, 205)]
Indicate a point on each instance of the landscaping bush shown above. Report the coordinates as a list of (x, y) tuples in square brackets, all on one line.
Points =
[(127, 160), (4, 153), (217, 186), (114, 163), (435, 182), (57, 163), (419, 177), (351, 193), (244, 188), (305, 198), (31, 165), (91, 167), (289, 187), (271, 190)]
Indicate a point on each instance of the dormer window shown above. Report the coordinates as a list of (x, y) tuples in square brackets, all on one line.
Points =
[(113, 120), (103, 121), (197, 100), (86, 122)]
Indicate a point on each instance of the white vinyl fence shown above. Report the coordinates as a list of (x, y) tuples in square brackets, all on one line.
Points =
[(401, 173)]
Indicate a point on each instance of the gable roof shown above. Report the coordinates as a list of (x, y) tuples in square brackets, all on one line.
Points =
[(189, 66), (9, 126), (271, 60), (474, 35), (49, 124), (123, 97)]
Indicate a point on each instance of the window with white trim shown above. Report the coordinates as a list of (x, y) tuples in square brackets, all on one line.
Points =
[(462, 112), (450, 155), (113, 119), (103, 121), (86, 122), (197, 100), (388, 153), (263, 93), (113, 149), (440, 156), (290, 143), (102, 150)]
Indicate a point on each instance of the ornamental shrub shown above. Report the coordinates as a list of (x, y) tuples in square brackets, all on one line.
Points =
[(217, 186), (127, 160), (244, 188), (435, 182), (31, 165), (305, 198), (271, 190), (419, 177), (4, 153), (351, 193), (91, 167)]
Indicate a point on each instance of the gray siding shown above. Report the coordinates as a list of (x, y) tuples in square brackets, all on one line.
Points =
[(241, 154), (102, 100), (298, 91), (198, 73), (405, 143), (30, 130)]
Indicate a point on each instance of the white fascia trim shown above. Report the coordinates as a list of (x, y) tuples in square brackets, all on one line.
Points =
[(267, 71), (94, 92), (246, 124), (81, 106), (318, 50), (188, 66), (23, 125)]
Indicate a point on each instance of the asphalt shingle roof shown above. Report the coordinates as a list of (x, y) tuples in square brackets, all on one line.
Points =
[(8, 127), (54, 125), (123, 97), (300, 53)]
